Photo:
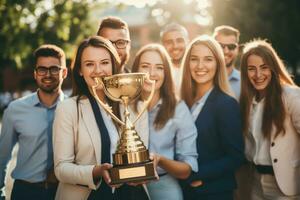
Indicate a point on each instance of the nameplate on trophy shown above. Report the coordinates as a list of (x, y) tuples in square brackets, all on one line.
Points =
[(132, 172)]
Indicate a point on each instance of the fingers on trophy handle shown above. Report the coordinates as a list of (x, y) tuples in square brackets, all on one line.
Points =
[(146, 103), (106, 107)]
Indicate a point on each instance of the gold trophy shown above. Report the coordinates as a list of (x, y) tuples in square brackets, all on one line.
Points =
[(131, 161)]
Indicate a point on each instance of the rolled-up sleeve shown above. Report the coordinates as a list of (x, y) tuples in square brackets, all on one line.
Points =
[(186, 150)]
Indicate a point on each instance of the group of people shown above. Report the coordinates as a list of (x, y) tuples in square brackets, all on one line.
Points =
[(205, 121)]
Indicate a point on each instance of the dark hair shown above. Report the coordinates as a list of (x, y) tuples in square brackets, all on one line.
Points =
[(167, 94), (50, 50), (112, 22), (227, 30), (80, 87), (274, 109)]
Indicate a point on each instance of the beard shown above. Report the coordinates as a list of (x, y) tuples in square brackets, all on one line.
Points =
[(229, 64), (177, 61), (49, 88)]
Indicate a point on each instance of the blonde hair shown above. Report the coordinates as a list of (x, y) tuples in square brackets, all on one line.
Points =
[(188, 85), (167, 94)]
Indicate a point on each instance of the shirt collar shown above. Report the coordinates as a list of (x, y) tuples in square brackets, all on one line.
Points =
[(254, 102), (36, 100), (235, 74), (203, 99), (158, 104)]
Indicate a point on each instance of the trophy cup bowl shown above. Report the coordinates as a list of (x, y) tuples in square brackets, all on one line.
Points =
[(131, 161), (123, 85)]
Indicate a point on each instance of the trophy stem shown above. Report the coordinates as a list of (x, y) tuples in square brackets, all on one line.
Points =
[(131, 160), (131, 148), (128, 124)]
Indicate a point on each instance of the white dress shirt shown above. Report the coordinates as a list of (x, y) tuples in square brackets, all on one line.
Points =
[(257, 147)]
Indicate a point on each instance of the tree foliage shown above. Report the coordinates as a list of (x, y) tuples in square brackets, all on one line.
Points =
[(26, 24), (275, 20)]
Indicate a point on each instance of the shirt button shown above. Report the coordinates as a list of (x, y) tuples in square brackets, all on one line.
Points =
[(272, 144), (275, 160)]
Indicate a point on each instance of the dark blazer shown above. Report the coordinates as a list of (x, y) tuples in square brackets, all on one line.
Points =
[(220, 145)]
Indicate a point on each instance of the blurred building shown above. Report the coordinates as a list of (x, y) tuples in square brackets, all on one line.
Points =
[(143, 29)]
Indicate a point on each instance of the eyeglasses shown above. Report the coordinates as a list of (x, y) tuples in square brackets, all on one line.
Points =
[(231, 47), (42, 70), (120, 44)]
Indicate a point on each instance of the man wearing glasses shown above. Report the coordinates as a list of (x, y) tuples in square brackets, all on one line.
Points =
[(228, 37), (116, 30), (28, 122)]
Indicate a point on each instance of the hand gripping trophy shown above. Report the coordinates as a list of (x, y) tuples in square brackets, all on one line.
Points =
[(131, 161)]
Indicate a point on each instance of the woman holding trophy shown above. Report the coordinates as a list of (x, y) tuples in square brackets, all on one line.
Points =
[(172, 134), (206, 91), (85, 136)]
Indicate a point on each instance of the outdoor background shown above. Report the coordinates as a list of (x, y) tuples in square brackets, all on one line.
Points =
[(26, 24)]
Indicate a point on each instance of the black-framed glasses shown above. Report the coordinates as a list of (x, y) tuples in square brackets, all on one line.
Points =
[(42, 70), (231, 46), (120, 44)]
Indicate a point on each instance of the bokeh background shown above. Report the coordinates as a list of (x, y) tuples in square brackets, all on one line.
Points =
[(26, 24)]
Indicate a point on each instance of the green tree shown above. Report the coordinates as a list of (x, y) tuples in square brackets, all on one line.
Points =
[(26, 24), (275, 20)]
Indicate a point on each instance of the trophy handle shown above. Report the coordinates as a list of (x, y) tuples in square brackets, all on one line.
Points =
[(146, 103), (105, 106)]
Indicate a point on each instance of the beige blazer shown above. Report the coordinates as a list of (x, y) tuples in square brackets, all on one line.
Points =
[(285, 150), (77, 148)]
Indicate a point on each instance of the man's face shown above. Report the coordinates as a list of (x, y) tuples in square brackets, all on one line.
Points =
[(228, 42), (49, 74), (175, 43), (118, 36)]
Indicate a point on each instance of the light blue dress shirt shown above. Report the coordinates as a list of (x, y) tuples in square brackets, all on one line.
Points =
[(28, 122), (175, 141), (235, 83)]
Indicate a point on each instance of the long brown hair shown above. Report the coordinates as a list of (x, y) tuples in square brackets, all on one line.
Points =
[(274, 110), (79, 85), (167, 92), (188, 85)]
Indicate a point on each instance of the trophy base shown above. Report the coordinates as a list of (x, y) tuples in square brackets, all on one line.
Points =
[(132, 173)]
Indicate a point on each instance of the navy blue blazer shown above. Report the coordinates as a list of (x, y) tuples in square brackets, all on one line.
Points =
[(220, 144)]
